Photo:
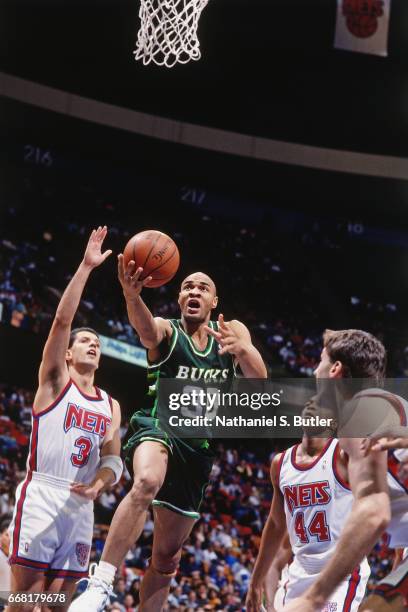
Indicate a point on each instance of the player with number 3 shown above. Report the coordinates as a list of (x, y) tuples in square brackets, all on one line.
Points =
[(74, 451)]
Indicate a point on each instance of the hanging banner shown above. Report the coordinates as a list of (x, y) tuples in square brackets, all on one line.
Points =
[(124, 351), (362, 26)]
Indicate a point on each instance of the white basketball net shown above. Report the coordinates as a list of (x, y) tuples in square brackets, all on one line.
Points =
[(168, 31)]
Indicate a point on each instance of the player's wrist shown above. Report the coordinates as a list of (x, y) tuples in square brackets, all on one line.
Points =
[(242, 350), (86, 266), (132, 298)]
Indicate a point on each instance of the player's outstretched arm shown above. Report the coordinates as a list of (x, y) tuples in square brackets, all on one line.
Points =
[(366, 523), (53, 369), (234, 338), (273, 532), (151, 330), (110, 469)]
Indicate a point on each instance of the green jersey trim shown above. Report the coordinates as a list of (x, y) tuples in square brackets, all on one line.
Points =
[(156, 401), (207, 351), (173, 343), (159, 440), (157, 502)]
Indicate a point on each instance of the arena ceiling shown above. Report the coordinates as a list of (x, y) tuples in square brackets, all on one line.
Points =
[(268, 68)]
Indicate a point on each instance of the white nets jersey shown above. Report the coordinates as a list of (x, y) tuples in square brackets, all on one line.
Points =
[(67, 436), (317, 503)]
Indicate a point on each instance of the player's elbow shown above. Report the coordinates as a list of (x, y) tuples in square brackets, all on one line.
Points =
[(149, 341), (377, 513), (262, 371), (384, 518), (378, 522), (61, 320), (150, 337)]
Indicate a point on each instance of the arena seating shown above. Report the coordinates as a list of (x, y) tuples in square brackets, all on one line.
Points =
[(219, 555)]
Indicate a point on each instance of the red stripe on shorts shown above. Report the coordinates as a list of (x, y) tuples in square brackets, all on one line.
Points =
[(29, 563), (17, 525), (354, 581)]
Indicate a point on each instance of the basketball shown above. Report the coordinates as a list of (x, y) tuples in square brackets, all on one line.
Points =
[(156, 253)]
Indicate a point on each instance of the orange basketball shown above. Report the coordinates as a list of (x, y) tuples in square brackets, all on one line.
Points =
[(156, 253)]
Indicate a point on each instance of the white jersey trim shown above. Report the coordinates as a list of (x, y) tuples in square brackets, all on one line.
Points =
[(308, 466), (91, 398)]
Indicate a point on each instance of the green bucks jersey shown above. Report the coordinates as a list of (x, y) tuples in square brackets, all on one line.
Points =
[(183, 366), (180, 359)]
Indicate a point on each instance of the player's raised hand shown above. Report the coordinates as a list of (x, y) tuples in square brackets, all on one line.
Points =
[(93, 256), (228, 339), (129, 278)]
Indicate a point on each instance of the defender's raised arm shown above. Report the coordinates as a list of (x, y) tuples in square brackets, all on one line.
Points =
[(53, 369)]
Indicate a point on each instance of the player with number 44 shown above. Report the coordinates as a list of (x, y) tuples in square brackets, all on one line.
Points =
[(311, 502)]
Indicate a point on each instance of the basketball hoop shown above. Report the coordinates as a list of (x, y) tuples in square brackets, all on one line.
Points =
[(168, 31)]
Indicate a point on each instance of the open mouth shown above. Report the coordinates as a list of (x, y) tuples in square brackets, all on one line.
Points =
[(91, 352), (193, 305)]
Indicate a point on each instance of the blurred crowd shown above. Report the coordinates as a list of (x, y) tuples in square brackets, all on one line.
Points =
[(219, 555), (267, 281)]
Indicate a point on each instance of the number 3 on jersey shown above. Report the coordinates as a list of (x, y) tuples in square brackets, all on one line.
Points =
[(85, 446), (318, 527)]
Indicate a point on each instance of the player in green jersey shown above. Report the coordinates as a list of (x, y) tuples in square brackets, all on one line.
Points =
[(189, 460), (169, 473)]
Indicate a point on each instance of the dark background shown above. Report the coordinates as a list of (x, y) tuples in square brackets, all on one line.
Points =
[(268, 68)]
